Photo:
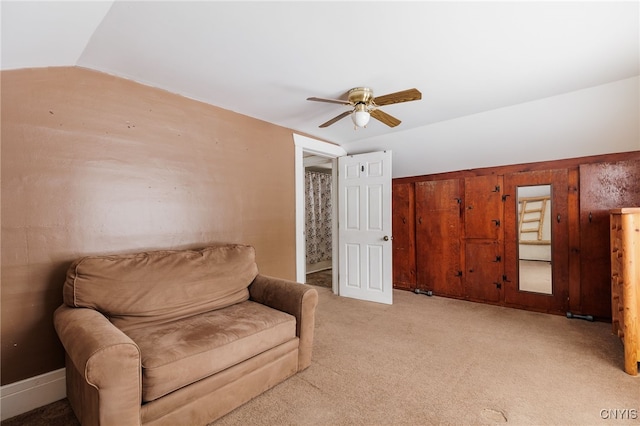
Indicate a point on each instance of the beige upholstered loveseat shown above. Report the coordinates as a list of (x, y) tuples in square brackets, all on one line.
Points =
[(178, 337)]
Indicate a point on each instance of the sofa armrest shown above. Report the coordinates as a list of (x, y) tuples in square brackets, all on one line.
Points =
[(107, 359), (299, 300)]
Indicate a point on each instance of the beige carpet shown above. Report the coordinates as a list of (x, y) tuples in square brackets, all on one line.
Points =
[(432, 360)]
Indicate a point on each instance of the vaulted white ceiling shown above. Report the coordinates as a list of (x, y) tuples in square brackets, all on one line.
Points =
[(263, 59)]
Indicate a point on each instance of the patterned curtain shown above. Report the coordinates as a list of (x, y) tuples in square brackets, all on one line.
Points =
[(318, 216)]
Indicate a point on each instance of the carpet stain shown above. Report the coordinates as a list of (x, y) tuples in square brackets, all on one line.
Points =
[(492, 415)]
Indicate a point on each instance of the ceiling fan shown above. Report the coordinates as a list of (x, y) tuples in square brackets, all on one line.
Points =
[(365, 105)]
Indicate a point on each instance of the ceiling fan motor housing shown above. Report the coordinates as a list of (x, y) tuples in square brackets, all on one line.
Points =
[(360, 95)]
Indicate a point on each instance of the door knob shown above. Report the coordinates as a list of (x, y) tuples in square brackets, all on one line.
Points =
[(387, 238)]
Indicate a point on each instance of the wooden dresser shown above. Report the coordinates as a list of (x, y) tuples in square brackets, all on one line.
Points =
[(625, 283)]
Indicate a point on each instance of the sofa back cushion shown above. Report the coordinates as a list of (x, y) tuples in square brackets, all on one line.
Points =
[(135, 290)]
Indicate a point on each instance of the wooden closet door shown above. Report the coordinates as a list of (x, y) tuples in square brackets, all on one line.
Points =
[(483, 275), (603, 186), (557, 302), (438, 233), (403, 224), (483, 207), (483, 238)]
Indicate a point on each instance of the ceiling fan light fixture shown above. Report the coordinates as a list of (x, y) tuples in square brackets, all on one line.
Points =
[(360, 115), (365, 105)]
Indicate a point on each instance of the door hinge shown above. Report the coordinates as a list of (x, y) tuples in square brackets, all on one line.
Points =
[(498, 285), (498, 259), (504, 278), (496, 189), (496, 221), (504, 197)]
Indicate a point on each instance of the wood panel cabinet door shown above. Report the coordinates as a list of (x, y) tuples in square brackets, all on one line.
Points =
[(483, 275), (603, 186), (483, 207), (403, 224), (438, 236)]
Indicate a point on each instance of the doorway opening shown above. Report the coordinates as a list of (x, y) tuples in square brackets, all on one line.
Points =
[(320, 152), (319, 200)]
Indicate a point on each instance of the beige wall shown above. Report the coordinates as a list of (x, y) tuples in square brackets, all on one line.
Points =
[(92, 163)]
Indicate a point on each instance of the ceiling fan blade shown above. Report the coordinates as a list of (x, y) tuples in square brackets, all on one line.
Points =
[(331, 101), (397, 97), (334, 119), (387, 119)]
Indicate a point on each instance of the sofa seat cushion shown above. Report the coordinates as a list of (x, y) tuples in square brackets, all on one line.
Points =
[(181, 352)]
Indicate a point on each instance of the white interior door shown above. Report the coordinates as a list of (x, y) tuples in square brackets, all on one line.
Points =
[(364, 227)]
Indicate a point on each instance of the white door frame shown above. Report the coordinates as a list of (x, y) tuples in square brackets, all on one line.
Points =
[(324, 149)]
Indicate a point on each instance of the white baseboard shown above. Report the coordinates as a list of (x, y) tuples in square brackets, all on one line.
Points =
[(25, 395)]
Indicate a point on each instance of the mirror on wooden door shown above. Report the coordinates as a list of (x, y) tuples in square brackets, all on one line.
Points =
[(534, 239)]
